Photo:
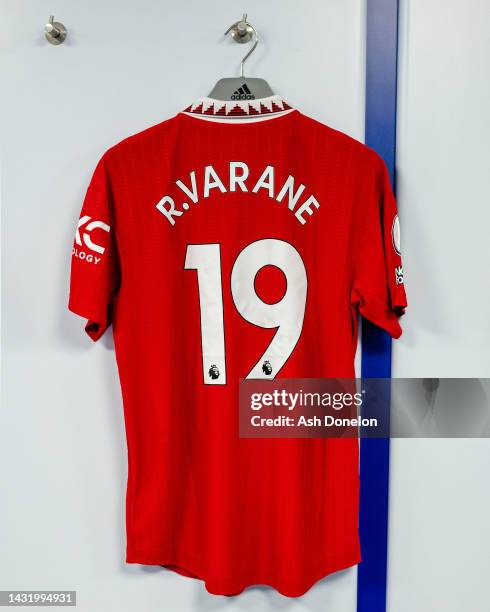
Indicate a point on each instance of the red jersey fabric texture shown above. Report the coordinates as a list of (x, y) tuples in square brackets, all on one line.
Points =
[(176, 225)]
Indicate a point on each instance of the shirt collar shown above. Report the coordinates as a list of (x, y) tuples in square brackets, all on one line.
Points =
[(238, 110)]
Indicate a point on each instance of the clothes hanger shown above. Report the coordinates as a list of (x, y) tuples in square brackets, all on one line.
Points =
[(242, 88)]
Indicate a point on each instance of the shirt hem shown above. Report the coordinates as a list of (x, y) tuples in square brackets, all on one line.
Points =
[(186, 569)]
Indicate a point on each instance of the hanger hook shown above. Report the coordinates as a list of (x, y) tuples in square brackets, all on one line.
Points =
[(54, 31), (242, 31)]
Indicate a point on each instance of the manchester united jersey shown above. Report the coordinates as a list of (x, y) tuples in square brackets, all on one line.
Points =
[(236, 240)]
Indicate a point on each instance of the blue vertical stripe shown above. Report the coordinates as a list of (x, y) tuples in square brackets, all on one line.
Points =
[(381, 81)]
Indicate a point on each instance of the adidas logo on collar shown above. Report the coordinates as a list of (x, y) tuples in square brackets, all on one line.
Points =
[(243, 93)]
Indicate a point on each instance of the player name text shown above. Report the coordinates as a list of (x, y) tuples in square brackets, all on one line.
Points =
[(200, 185)]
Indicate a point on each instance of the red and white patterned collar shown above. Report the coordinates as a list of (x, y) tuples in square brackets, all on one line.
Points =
[(238, 110)]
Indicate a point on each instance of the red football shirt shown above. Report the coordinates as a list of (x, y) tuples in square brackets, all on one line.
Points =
[(236, 240)]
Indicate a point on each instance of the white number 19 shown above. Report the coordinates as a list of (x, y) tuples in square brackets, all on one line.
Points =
[(286, 315)]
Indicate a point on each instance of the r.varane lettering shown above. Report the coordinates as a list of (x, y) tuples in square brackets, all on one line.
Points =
[(201, 185)]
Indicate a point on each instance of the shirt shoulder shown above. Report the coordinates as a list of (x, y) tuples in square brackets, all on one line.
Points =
[(141, 145), (340, 142)]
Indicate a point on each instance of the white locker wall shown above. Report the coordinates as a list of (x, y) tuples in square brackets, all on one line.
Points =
[(439, 489)]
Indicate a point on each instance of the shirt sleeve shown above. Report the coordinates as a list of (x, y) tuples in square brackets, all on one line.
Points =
[(378, 290), (95, 275)]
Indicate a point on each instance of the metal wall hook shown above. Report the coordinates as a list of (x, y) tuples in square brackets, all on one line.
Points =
[(242, 32), (55, 31)]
